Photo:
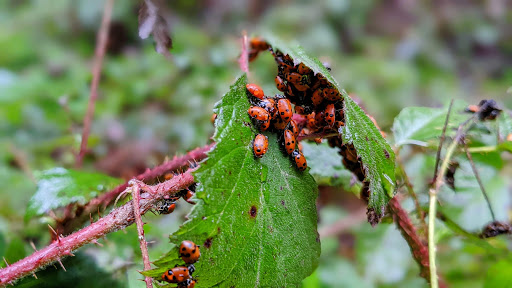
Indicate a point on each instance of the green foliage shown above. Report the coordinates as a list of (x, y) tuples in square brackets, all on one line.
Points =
[(419, 125), (256, 218), (499, 275), (377, 156), (59, 187)]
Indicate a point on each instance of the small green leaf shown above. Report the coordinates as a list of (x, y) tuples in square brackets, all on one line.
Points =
[(418, 125), (326, 167), (59, 187), (376, 155), (254, 231), (499, 275)]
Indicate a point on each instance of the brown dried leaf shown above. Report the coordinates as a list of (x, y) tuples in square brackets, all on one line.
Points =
[(151, 21)]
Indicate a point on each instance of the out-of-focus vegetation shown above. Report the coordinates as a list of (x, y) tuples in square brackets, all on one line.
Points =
[(390, 54)]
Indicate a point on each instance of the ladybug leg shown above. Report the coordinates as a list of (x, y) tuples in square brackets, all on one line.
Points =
[(191, 269)]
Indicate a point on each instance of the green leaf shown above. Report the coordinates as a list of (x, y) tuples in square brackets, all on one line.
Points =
[(376, 155), (418, 125), (499, 275), (326, 166), (255, 219), (58, 187)]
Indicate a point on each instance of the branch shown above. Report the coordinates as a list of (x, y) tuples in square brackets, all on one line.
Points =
[(243, 61), (99, 53), (67, 224), (418, 249), (140, 230), (117, 219)]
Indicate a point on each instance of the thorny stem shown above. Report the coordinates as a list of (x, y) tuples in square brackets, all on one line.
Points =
[(70, 221), (117, 219), (477, 176), (99, 53), (140, 231)]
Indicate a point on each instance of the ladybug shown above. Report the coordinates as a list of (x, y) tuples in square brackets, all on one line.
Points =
[(341, 114), (258, 113), (176, 275), (303, 69), (188, 195), (339, 124), (279, 124), (255, 90), (300, 160), (330, 114), (260, 145), (319, 119), (167, 206), (295, 129), (189, 252), (294, 77), (317, 97), (213, 118), (331, 94), (311, 120), (289, 141), (270, 105), (281, 84), (189, 283), (259, 44), (299, 110), (284, 107), (264, 125)]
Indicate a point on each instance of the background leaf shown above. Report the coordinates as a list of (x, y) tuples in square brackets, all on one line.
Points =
[(256, 218), (418, 125), (58, 187)]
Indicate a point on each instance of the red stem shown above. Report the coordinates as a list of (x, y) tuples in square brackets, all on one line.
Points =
[(117, 219), (99, 53), (418, 249), (243, 61), (67, 224)]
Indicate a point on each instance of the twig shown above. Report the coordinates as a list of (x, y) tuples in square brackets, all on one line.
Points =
[(477, 176), (140, 231), (433, 201), (99, 53), (441, 141), (68, 223), (117, 219), (243, 61)]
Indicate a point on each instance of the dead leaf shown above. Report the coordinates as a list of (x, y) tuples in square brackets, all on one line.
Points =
[(152, 22)]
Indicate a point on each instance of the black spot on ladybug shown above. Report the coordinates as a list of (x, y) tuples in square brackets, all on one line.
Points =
[(208, 243), (253, 211), (386, 153)]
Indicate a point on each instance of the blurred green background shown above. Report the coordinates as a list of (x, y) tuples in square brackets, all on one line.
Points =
[(390, 54)]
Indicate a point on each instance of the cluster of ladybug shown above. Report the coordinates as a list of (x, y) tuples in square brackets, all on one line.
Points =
[(316, 100), (167, 206), (182, 275), (274, 113)]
